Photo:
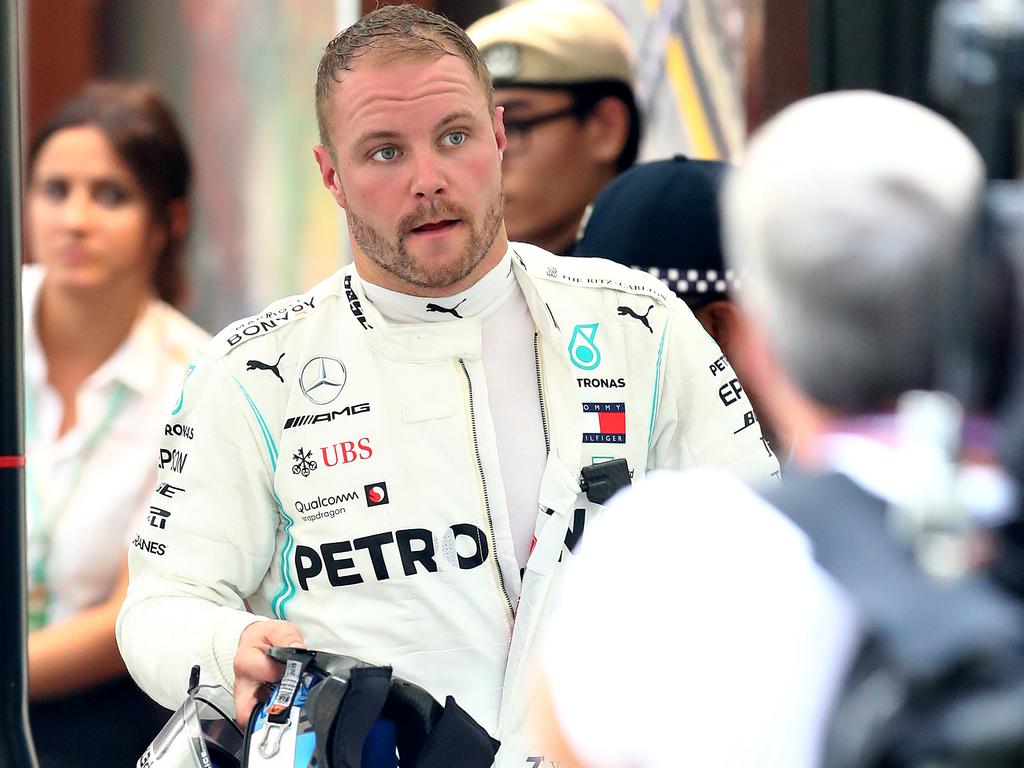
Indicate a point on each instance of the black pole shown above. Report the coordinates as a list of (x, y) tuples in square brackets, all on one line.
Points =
[(15, 742)]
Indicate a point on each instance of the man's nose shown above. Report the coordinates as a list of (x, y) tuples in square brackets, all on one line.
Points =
[(429, 175)]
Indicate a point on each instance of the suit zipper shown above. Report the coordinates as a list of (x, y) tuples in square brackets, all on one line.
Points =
[(540, 394), (483, 483)]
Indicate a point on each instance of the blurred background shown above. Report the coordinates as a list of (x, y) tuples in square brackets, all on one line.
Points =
[(241, 72)]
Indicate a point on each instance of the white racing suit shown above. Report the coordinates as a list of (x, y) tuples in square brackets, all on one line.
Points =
[(328, 468)]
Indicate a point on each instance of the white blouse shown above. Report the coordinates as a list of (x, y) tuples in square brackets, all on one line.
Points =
[(88, 489)]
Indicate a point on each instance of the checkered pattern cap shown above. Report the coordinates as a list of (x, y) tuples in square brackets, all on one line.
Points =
[(663, 218), (554, 42)]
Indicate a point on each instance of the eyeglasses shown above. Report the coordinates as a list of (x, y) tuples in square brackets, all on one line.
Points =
[(517, 132)]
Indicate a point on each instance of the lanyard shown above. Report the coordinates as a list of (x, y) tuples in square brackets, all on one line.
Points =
[(47, 516)]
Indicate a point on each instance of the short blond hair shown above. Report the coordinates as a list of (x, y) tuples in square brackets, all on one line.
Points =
[(389, 33)]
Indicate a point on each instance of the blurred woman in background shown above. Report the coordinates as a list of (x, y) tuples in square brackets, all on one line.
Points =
[(105, 351)]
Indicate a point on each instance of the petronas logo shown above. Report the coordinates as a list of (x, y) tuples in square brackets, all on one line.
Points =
[(583, 350)]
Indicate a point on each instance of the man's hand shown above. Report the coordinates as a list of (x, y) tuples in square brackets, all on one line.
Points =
[(253, 668)]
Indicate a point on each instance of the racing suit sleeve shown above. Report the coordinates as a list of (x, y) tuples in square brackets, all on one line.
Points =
[(704, 417), (205, 544)]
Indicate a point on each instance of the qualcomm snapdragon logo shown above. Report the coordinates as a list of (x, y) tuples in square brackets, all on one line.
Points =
[(583, 349)]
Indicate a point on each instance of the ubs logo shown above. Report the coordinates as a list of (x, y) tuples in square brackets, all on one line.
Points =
[(304, 463), (346, 452), (322, 379)]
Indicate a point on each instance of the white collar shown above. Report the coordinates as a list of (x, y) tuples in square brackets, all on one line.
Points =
[(887, 472), (872, 464), (135, 362), (479, 300)]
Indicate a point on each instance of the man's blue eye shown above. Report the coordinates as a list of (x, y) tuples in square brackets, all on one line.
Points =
[(454, 138), (385, 153)]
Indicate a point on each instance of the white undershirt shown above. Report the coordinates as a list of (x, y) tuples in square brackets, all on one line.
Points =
[(507, 351)]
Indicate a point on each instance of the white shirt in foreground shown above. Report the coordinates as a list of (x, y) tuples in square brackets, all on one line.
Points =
[(695, 629)]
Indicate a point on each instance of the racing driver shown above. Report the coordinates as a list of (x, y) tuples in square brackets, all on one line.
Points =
[(394, 465)]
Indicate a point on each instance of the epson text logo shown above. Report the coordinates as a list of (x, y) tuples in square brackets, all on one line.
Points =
[(173, 460)]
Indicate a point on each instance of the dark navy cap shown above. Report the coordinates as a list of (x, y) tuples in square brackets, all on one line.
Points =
[(662, 218)]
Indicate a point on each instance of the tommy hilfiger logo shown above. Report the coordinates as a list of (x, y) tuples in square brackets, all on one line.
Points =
[(604, 422), (376, 494)]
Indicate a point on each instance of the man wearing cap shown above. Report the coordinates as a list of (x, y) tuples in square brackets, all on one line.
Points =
[(563, 71), (663, 218)]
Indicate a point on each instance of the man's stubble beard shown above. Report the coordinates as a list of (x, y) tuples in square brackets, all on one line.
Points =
[(392, 257)]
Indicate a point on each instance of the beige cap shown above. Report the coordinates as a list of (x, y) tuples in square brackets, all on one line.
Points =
[(551, 42)]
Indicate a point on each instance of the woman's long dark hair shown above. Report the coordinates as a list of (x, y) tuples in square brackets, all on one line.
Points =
[(144, 132)]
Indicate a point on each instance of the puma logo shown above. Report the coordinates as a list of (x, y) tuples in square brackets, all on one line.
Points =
[(642, 318), (253, 365), (439, 308)]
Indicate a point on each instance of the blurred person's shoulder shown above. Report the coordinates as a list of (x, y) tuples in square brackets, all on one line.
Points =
[(694, 569), (31, 280), (693, 507), (588, 273), (178, 337)]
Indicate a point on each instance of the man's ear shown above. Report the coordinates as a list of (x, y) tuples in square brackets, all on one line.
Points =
[(328, 173), (498, 123), (722, 319), (607, 129)]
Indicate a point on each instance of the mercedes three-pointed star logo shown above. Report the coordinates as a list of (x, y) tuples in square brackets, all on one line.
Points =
[(322, 379)]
